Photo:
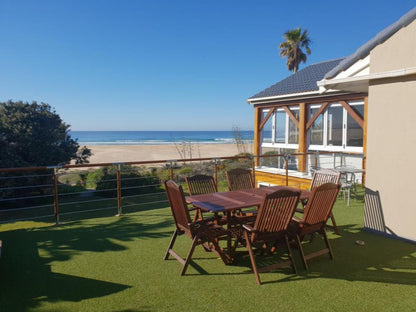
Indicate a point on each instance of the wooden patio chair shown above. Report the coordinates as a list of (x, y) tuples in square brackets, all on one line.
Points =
[(314, 218), (321, 177), (239, 179), (200, 232), (200, 184), (274, 216)]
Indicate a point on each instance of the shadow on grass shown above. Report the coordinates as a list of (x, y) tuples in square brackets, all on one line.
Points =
[(381, 259), (26, 279)]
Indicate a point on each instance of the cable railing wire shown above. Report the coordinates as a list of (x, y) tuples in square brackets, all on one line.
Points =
[(63, 196)]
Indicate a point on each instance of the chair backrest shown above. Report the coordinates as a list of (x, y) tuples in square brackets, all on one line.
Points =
[(239, 179), (275, 213), (200, 184), (325, 176), (320, 203), (178, 206)]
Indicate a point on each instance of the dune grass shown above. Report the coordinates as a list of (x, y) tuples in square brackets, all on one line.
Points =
[(116, 264)]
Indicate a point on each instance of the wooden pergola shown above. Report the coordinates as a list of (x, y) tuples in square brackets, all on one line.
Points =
[(303, 123)]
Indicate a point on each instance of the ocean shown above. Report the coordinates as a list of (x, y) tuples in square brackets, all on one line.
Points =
[(157, 137)]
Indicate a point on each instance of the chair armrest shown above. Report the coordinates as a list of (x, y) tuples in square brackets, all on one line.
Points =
[(248, 228), (296, 219)]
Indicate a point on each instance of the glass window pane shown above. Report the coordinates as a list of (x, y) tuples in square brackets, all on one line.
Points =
[(354, 131), (267, 129), (280, 126), (335, 125), (293, 130), (316, 131)]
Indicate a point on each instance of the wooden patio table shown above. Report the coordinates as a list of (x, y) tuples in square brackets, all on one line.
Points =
[(227, 202), (234, 200)]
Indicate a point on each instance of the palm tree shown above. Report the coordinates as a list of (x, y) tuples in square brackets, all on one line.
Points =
[(295, 41)]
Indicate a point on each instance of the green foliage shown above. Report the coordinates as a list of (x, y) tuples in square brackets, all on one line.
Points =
[(94, 177), (132, 182), (65, 188), (291, 48), (34, 135), (245, 162), (186, 170)]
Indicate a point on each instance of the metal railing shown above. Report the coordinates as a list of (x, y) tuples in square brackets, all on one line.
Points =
[(41, 193)]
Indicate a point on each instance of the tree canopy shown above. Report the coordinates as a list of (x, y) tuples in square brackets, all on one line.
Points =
[(291, 48), (35, 135)]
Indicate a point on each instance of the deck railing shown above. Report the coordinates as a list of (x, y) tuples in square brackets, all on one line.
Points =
[(43, 193)]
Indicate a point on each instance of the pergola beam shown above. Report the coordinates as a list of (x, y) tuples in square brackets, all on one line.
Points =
[(353, 114), (320, 111), (263, 122), (291, 116)]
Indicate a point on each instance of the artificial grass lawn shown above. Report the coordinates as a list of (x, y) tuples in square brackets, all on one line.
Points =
[(116, 264)]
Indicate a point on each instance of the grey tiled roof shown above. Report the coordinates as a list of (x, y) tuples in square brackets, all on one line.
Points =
[(365, 49), (303, 81)]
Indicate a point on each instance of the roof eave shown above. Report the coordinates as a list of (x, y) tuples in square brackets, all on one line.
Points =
[(286, 97), (361, 83)]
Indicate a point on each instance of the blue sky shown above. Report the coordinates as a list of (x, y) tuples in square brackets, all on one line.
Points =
[(167, 65)]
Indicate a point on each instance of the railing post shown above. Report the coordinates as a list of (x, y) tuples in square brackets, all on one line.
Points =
[(287, 168), (55, 196), (119, 208), (171, 168), (316, 159), (215, 171), (253, 169)]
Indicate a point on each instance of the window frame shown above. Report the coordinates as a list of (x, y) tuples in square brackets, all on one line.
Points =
[(331, 148), (273, 142)]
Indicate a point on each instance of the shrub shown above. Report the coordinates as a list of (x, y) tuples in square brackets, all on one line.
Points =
[(132, 182)]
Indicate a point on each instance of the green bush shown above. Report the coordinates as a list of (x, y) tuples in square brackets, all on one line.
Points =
[(132, 182)]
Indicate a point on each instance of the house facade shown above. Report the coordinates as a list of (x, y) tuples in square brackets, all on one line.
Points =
[(357, 105)]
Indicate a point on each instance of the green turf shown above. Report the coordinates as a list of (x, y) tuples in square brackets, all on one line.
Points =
[(116, 264)]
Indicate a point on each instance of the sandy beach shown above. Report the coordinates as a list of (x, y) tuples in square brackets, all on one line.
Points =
[(128, 153)]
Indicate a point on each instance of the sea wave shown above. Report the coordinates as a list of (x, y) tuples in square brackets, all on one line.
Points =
[(159, 142)]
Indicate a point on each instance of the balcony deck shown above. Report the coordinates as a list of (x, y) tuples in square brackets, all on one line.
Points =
[(106, 263)]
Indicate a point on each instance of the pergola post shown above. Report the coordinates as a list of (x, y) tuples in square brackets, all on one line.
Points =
[(257, 134), (302, 160)]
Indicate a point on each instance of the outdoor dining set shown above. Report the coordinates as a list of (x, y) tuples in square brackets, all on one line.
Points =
[(266, 219)]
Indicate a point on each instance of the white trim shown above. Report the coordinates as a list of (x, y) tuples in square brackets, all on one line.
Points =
[(276, 97), (337, 83), (359, 68), (260, 184)]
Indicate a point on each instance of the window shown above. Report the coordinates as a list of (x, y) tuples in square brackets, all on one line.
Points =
[(266, 136), (286, 132), (335, 129), (293, 131), (280, 127), (335, 124), (317, 129), (354, 131), (279, 130)]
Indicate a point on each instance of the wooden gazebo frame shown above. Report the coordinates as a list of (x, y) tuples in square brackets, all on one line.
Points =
[(303, 123)]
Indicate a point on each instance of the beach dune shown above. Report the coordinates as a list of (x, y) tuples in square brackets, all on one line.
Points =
[(131, 153)]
